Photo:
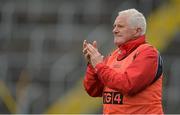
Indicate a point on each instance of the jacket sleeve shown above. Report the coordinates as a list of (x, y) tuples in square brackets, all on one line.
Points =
[(137, 76), (92, 84)]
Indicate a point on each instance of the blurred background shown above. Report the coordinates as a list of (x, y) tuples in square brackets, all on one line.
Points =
[(41, 62)]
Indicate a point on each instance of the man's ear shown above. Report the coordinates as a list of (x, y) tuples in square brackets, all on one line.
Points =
[(138, 32)]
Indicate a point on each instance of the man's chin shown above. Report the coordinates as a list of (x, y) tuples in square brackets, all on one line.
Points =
[(118, 43)]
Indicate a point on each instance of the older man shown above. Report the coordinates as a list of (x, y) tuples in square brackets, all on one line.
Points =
[(130, 79)]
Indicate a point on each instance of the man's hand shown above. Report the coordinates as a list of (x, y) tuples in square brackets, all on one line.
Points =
[(95, 56), (86, 55)]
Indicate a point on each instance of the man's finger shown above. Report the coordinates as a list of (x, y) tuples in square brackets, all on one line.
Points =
[(95, 44), (85, 50), (90, 52), (84, 44), (91, 48), (87, 55)]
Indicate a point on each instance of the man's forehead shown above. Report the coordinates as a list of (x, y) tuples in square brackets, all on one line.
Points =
[(120, 18)]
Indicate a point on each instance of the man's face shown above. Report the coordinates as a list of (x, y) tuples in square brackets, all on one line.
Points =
[(121, 30)]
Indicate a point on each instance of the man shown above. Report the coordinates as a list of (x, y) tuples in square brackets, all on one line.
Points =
[(130, 79)]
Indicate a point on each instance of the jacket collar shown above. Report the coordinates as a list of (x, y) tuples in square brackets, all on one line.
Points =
[(126, 48)]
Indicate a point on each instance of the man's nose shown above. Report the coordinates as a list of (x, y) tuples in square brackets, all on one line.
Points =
[(115, 30)]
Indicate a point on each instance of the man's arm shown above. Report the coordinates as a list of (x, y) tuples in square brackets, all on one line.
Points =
[(139, 74), (92, 84)]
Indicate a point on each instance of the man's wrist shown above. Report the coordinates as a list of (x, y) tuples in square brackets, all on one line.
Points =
[(98, 67)]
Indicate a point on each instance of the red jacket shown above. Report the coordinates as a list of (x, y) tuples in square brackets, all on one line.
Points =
[(123, 88)]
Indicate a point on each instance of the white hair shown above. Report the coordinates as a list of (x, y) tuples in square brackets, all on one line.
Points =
[(135, 19)]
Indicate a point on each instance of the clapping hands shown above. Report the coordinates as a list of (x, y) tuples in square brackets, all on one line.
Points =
[(91, 53)]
